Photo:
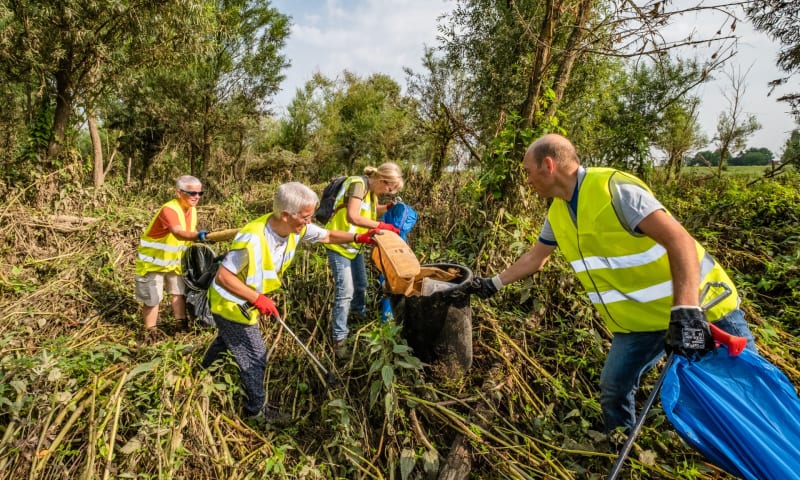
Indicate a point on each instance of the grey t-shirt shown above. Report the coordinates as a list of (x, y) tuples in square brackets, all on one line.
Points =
[(236, 260), (635, 204)]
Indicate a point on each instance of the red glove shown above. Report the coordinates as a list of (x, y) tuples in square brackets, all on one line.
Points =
[(389, 205), (266, 306), (387, 226), (367, 236)]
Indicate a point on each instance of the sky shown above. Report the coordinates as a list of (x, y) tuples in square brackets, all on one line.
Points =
[(384, 36)]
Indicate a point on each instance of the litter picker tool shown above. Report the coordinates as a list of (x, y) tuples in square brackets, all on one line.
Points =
[(330, 379), (734, 344)]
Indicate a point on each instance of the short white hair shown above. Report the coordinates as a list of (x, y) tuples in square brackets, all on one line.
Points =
[(185, 180), (292, 197)]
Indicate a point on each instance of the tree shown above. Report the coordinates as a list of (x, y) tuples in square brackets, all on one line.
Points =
[(781, 20), (791, 151), (679, 133), (68, 51), (706, 158), (520, 55), (648, 107), (235, 79), (441, 111), (734, 126), (753, 156)]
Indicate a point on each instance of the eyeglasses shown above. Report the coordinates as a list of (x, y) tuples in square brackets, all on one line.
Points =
[(306, 218), (192, 194)]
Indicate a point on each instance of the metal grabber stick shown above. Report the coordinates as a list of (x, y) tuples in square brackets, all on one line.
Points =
[(735, 346), (330, 379)]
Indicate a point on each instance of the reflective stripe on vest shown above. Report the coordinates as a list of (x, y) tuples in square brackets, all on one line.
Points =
[(339, 220), (260, 274), (627, 276), (164, 254)]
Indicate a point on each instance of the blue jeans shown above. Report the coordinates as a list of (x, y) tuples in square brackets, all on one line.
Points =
[(631, 356), (350, 277)]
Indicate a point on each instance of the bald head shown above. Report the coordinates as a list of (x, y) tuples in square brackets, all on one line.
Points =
[(555, 146)]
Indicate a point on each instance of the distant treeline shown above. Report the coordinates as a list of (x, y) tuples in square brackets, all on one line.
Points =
[(751, 156)]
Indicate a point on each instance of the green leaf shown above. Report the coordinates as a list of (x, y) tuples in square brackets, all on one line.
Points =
[(143, 367), (374, 391), (400, 348), (387, 373), (407, 462)]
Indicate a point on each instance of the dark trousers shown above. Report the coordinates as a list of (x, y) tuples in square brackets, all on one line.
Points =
[(248, 349)]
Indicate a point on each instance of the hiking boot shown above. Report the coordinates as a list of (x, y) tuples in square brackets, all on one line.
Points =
[(268, 416), (341, 350)]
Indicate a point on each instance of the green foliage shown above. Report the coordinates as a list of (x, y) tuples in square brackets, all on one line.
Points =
[(387, 353), (751, 156), (781, 21), (649, 94), (752, 229), (501, 166), (791, 152)]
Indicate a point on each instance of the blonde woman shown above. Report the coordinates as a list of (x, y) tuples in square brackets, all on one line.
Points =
[(356, 211)]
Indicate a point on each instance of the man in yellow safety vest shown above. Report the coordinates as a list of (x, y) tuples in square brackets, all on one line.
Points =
[(158, 259), (641, 269)]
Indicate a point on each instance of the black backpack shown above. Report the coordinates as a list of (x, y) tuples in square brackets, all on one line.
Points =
[(327, 201), (199, 266)]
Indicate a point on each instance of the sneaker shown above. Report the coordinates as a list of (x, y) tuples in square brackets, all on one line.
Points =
[(268, 416), (182, 325), (341, 350)]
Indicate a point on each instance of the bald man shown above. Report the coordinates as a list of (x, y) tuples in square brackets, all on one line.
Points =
[(641, 269)]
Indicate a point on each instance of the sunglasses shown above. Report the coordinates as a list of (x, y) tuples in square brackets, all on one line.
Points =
[(192, 194)]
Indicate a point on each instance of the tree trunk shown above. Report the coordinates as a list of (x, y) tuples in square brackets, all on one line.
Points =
[(62, 112), (541, 61), (570, 54), (99, 174)]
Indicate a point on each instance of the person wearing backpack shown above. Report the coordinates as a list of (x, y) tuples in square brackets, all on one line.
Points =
[(259, 256), (356, 210)]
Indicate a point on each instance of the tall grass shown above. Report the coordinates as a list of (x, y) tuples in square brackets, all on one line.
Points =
[(82, 397)]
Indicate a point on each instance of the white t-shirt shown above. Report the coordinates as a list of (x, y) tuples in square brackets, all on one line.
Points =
[(236, 260)]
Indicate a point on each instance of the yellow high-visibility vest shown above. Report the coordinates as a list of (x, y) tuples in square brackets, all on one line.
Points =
[(260, 274), (369, 209), (164, 254), (626, 275)]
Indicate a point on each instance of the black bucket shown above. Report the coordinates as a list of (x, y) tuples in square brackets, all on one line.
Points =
[(438, 326)]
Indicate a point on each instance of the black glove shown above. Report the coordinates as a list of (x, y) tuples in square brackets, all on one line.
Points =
[(689, 334), (482, 287)]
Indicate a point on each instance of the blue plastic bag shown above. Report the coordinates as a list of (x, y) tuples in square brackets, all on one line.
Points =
[(741, 413), (404, 218)]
